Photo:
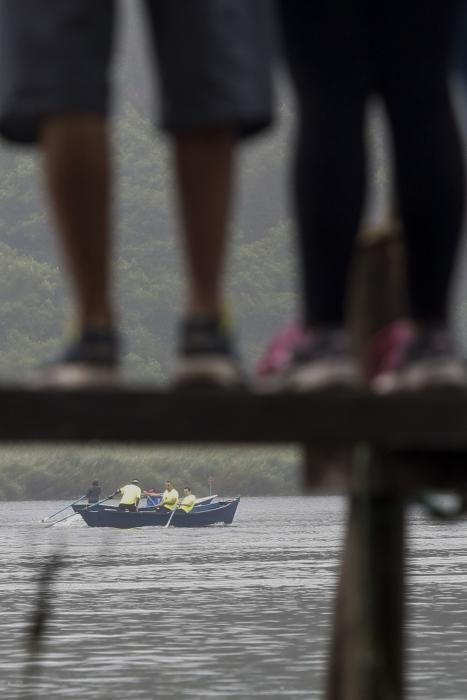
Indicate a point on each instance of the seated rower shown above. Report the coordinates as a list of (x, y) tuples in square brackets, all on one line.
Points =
[(169, 498), (153, 498), (131, 494), (188, 501), (93, 493)]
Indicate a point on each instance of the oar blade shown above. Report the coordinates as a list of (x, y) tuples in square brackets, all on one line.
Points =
[(44, 520)]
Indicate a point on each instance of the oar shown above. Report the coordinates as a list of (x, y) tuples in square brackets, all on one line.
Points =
[(92, 505), (171, 516), (44, 520)]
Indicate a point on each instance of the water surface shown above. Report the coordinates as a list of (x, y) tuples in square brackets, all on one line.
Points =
[(222, 612)]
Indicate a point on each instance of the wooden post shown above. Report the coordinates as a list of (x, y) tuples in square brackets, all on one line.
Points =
[(367, 647), (366, 661), (378, 289)]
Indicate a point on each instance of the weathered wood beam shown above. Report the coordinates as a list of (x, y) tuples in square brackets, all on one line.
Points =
[(413, 423)]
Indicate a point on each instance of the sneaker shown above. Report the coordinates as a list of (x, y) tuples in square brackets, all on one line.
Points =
[(402, 358), (279, 351), (90, 361), (206, 358), (323, 360)]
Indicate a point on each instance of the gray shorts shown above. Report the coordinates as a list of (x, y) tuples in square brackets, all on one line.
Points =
[(213, 59)]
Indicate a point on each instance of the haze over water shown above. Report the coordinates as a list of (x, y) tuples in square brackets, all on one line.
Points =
[(233, 612)]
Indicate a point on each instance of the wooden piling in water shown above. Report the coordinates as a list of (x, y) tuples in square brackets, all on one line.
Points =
[(366, 660)]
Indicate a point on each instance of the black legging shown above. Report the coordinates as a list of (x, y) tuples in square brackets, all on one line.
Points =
[(340, 52)]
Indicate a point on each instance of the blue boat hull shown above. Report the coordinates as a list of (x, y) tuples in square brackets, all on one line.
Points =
[(222, 512), (79, 507)]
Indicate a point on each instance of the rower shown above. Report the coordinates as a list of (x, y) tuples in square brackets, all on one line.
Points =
[(131, 494), (153, 497), (93, 492), (169, 497), (188, 501)]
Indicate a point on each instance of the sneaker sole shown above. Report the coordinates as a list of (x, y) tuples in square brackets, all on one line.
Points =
[(428, 376), (199, 372), (76, 377), (323, 376)]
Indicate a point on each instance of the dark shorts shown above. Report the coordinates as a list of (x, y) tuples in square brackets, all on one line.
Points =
[(127, 506), (213, 59)]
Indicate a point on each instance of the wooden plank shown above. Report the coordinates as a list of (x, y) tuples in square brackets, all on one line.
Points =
[(428, 422)]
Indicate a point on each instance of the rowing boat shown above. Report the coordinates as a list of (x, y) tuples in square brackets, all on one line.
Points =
[(202, 515)]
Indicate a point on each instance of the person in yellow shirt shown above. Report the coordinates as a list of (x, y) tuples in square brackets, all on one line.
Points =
[(131, 494), (169, 497), (188, 501)]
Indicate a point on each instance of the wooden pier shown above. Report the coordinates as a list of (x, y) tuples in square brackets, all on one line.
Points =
[(386, 450)]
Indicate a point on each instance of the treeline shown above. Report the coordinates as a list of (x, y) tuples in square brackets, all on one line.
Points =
[(44, 473)]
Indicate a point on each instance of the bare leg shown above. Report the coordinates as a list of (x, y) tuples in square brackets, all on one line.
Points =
[(204, 168), (77, 172)]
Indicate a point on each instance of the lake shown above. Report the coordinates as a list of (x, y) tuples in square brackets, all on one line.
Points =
[(224, 612)]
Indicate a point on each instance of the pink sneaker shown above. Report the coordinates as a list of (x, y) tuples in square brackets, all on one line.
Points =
[(402, 358), (280, 350), (310, 361)]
